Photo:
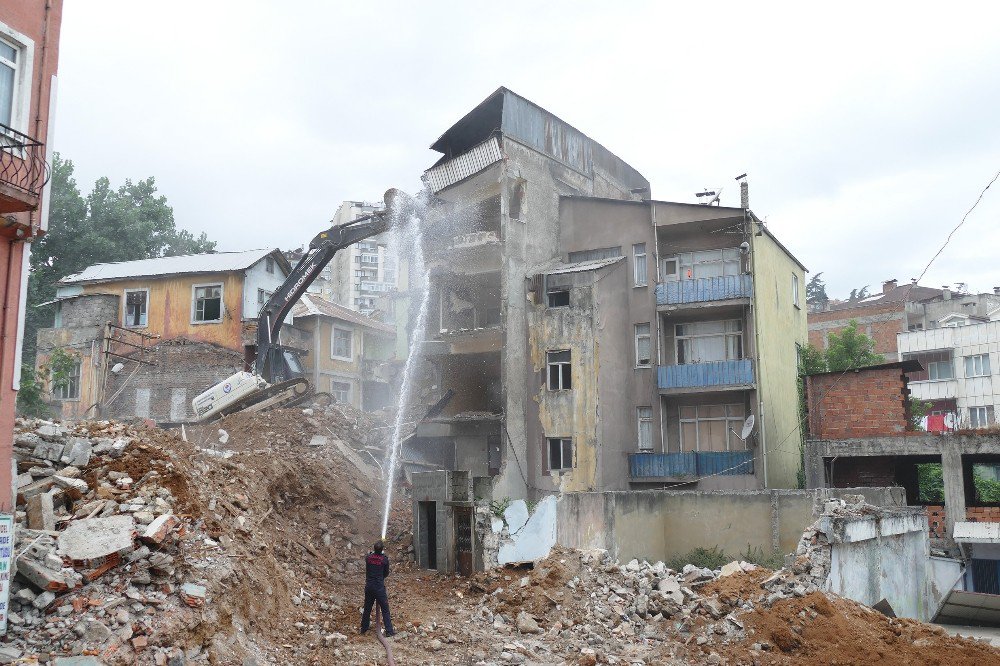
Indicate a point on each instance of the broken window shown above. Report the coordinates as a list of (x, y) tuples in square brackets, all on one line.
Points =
[(560, 370), (707, 341), (642, 346), (977, 366), (208, 303), (343, 343), (712, 427), (135, 307), (594, 255), (69, 388), (341, 391), (639, 264), (645, 416), (558, 298), (560, 453), (980, 417)]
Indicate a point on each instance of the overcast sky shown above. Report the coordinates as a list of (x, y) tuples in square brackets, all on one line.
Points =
[(867, 130)]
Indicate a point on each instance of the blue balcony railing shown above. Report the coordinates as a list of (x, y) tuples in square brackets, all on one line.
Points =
[(690, 464), (705, 375), (704, 290)]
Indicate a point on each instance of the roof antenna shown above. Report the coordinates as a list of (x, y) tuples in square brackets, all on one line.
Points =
[(713, 196)]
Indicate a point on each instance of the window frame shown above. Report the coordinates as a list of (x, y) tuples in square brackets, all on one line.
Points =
[(557, 290), (562, 444), (640, 420), (988, 414), (335, 393), (194, 303), (125, 317), (333, 343), (77, 375), (697, 420), (20, 113), (649, 342), (564, 367), (984, 365), (639, 278), (676, 275), (269, 265), (795, 291), (738, 335)]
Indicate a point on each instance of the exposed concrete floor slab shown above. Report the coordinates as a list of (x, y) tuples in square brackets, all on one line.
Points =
[(992, 634)]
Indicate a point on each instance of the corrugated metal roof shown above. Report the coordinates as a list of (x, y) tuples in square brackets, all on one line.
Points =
[(970, 608), (311, 306), (968, 532), (581, 266), (219, 262)]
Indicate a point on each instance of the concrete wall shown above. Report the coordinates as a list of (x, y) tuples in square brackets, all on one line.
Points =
[(780, 326), (434, 487), (659, 524)]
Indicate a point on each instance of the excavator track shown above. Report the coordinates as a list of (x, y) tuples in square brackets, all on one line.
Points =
[(283, 394)]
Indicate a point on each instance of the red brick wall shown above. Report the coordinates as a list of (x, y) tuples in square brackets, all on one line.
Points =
[(983, 514), (857, 403), (936, 522), (863, 472), (880, 322)]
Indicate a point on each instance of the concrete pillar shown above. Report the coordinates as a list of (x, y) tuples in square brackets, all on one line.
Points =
[(954, 482)]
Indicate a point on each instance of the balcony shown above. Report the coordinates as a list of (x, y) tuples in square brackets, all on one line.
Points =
[(23, 171), (704, 291), (465, 165), (715, 375), (689, 464)]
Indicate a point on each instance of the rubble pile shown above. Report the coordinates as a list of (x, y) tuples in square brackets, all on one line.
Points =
[(100, 551)]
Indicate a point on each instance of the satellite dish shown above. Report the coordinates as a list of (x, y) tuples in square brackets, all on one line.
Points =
[(747, 428), (117, 367)]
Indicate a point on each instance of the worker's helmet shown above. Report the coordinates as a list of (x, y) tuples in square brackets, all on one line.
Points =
[(379, 546)]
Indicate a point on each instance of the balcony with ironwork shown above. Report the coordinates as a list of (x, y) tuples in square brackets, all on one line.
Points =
[(449, 172), (23, 171), (688, 465), (700, 377), (705, 292)]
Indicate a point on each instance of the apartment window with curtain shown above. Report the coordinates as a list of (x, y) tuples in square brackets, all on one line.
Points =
[(707, 341), (645, 417), (643, 356), (977, 366), (980, 417), (712, 427), (703, 264), (639, 264)]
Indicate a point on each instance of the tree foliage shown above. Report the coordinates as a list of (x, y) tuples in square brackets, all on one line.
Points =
[(31, 396), (111, 224), (816, 291), (851, 349), (858, 294)]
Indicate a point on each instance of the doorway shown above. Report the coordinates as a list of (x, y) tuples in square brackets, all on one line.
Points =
[(428, 534)]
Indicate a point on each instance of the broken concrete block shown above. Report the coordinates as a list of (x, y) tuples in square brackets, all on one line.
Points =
[(50, 431), (118, 448), (43, 577), (71, 484), (44, 600), (159, 529), (318, 440), (43, 485), (193, 595), (77, 452), (90, 543), (23, 480), (83, 660), (730, 569), (49, 451)]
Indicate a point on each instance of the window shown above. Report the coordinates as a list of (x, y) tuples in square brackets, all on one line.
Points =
[(795, 290), (594, 255), (707, 341), (9, 70), (389, 275), (135, 307), (269, 264), (642, 346), (560, 454), (341, 391), (343, 343), (980, 417), (977, 366), (71, 389), (208, 303), (645, 416), (671, 269), (937, 365), (940, 370), (262, 296), (712, 427), (560, 370), (709, 263), (639, 264), (558, 298)]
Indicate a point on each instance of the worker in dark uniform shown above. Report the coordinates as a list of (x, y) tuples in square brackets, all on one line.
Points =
[(376, 571)]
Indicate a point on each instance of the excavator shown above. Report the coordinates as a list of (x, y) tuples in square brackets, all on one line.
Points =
[(276, 378)]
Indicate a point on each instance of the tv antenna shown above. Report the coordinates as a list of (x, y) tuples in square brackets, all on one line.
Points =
[(712, 196)]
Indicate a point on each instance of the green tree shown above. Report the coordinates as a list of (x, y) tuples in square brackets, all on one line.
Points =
[(858, 294), (811, 360), (918, 410), (851, 349), (930, 483), (816, 291), (123, 224), (30, 397)]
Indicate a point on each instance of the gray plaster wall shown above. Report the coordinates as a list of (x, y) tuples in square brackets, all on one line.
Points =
[(89, 310), (659, 524), (434, 487)]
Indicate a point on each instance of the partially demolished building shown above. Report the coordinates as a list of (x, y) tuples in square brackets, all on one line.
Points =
[(582, 336)]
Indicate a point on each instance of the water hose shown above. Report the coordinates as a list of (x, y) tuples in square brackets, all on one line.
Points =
[(381, 638)]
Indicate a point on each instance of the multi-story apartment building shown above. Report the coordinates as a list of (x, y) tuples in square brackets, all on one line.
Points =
[(29, 55), (901, 308), (961, 371), (359, 275), (591, 338)]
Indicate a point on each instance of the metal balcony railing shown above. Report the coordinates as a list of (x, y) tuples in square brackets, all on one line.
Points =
[(467, 164), (703, 375), (22, 161), (704, 290), (689, 464)]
